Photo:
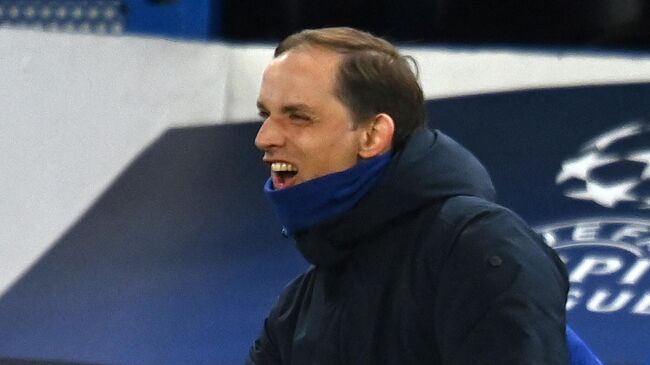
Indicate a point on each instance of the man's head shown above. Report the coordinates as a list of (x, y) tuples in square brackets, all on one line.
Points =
[(373, 76), (332, 97)]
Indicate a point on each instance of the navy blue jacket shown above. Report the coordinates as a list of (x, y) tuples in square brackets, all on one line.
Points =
[(426, 269)]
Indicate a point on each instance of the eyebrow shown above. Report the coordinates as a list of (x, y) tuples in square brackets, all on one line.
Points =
[(289, 108)]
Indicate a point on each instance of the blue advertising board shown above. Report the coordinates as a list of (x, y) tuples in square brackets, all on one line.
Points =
[(179, 261), (575, 163)]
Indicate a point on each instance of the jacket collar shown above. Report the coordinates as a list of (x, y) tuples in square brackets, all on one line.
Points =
[(430, 168)]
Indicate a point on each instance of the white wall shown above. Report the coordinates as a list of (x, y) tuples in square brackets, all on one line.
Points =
[(74, 111)]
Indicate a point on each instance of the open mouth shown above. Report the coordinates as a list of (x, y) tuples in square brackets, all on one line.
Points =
[(283, 174)]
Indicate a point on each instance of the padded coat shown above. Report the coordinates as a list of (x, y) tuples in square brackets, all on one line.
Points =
[(426, 269)]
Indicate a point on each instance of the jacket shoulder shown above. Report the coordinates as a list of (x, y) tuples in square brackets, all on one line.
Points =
[(484, 235), (505, 283), (292, 295), (458, 211), (273, 345)]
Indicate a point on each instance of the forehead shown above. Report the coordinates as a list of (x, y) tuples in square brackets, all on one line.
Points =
[(300, 73), (307, 59)]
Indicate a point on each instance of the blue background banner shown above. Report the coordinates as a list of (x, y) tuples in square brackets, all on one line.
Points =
[(526, 139), (180, 259)]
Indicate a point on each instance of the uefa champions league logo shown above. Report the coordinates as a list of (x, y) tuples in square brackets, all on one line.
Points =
[(611, 169), (608, 261), (608, 257)]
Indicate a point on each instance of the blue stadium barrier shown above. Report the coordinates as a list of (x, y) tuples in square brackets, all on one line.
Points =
[(196, 19), (84, 16)]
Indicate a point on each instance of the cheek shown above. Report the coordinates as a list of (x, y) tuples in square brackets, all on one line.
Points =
[(329, 146), (327, 141), (340, 150)]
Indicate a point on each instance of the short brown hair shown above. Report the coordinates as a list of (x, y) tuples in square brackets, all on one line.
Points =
[(373, 76)]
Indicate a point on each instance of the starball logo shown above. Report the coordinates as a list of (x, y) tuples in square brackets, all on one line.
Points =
[(611, 169), (608, 256)]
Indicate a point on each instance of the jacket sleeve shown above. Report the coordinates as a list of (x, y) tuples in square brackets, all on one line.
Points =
[(501, 296)]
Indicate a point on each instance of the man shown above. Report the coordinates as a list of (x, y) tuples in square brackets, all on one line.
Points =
[(412, 262)]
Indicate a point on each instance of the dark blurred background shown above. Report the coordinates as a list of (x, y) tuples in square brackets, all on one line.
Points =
[(617, 24), (594, 23)]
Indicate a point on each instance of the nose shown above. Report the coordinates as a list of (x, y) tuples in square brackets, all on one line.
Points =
[(269, 135)]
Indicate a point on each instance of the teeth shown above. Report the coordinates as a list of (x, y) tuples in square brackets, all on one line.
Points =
[(281, 166)]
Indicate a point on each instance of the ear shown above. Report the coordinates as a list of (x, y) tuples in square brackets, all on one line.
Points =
[(377, 137)]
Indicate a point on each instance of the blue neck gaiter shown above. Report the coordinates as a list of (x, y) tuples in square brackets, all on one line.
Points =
[(315, 201)]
